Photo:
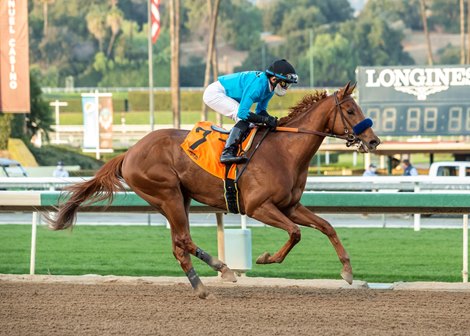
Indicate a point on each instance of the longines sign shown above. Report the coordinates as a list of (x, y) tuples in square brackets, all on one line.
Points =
[(416, 100)]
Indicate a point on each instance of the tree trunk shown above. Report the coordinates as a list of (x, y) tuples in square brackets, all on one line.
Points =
[(215, 72), (110, 46), (426, 32), (45, 16), (468, 31), (175, 61), (462, 32), (213, 13)]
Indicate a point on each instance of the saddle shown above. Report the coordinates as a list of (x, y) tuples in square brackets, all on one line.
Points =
[(204, 145)]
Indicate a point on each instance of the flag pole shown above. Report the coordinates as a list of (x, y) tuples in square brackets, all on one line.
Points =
[(150, 61)]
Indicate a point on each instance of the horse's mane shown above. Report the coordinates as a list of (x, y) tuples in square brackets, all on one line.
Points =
[(305, 104)]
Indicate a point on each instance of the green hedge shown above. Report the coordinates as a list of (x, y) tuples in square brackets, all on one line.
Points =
[(49, 155), (190, 100), (75, 104)]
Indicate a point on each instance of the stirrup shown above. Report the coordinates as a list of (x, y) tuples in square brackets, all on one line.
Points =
[(233, 159)]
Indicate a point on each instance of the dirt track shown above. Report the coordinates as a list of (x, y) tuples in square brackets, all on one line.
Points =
[(145, 308)]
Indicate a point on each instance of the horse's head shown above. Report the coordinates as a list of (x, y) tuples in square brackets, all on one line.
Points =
[(347, 120)]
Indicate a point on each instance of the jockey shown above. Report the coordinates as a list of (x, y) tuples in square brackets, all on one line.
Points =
[(233, 95)]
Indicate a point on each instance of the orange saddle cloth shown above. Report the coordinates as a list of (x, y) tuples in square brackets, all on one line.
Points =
[(204, 146)]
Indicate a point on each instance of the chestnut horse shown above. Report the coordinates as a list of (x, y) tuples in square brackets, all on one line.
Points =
[(157, 169)]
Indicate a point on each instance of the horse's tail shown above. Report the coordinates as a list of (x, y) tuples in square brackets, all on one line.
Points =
[(101, 187)]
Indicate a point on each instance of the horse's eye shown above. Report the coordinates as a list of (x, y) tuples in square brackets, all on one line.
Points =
[(350, 111)]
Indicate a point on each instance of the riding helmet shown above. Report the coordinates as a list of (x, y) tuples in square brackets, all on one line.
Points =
[(282, 70)]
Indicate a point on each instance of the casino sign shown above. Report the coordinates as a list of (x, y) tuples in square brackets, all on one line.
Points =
[(407, 101)]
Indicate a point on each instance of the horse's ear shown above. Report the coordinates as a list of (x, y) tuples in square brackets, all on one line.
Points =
[(351, 88), (344, 91)]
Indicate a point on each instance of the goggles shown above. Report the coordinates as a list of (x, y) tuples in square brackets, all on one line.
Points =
[(288, 79), (284, 84)]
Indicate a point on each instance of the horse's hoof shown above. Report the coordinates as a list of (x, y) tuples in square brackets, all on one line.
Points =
[(228, 275), (202, 292), (347, 276), (264, 258)]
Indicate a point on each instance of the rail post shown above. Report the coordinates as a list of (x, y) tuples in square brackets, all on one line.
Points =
[(32, 261), (465, 249), (417, 217)]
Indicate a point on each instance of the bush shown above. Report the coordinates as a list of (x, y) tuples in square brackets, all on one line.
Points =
[(190, 100), (5, 129), (49, 156)]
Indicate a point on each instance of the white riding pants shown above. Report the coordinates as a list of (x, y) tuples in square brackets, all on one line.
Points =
[(216, 98)]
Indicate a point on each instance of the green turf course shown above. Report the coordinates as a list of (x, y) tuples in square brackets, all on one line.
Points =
[(377, 255)]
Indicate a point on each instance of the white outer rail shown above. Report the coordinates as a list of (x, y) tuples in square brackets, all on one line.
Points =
[(13, 199), (323, 183), (347, 183)]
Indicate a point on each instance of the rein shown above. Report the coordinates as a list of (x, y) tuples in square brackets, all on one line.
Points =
[(351, 138), (306, 131), (252, 154)]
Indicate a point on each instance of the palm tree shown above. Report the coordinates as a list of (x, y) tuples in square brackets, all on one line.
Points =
[(426, 32), (175, 61), (468, 31), (45, 13), (96, 25), (114, 20), (211, 51), (462, 32), (215, 75)]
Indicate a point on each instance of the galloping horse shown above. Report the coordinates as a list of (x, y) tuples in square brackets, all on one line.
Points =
[(157, 169)]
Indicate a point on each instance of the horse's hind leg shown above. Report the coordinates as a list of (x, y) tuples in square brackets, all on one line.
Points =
[(183, 246), (302, 216), (216, 264), (175, 207), (184, 260), (184, 242)]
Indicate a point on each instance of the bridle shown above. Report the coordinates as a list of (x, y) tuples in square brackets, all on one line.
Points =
[(351, 138)]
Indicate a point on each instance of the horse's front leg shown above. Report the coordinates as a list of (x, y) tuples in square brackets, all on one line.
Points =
[(302, 216), (270, 215)]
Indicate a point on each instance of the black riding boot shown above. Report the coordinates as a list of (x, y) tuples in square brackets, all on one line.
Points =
[(229, 154)]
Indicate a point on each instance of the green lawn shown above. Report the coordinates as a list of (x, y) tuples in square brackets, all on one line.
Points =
[(377, 255)]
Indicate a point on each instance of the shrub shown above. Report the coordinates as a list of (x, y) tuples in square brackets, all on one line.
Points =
[(49, 155)]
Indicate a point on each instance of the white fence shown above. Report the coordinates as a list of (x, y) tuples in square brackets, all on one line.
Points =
[(342, 183), (388, 183), (320, 183)]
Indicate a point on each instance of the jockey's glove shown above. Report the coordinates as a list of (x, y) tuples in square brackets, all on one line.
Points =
[(268, 120), (263, 113)]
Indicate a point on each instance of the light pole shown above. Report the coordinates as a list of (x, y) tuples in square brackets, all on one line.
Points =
[(263, 56), (264, 40), (311, 57), (150, 66)]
